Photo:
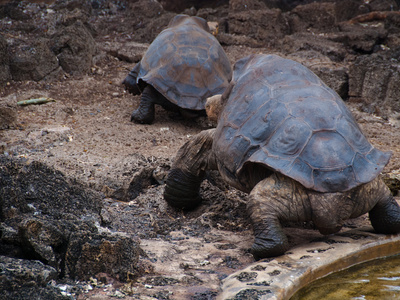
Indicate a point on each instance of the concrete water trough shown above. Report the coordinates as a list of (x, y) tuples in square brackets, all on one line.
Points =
[(281, 277)]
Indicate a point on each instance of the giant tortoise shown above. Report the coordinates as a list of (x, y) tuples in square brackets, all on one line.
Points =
[(183, 66), (289, 141)]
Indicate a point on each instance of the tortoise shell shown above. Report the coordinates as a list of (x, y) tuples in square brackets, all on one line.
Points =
[(185, 63), (281, 117)]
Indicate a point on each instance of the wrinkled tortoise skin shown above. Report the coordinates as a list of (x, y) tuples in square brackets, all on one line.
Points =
[(185, 63), (281, 116)]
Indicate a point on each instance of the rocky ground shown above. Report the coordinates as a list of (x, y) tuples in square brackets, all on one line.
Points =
[(81, 209)]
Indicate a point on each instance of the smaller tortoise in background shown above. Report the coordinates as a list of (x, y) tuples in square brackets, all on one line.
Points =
[(289, 141), (183, 66)]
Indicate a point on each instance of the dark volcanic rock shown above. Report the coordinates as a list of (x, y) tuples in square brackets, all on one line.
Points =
[(47, 217), (25, 279), (374, 79), (255, 21), (15, 10), (336, 78), (313, 17), (75, 47), (39, 208), (149, 20), (102, 253), (34, 188), (17, 272), (32, 61), (361, 38)]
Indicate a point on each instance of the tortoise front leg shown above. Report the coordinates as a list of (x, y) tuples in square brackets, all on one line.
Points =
[(188, 171), (144, 114), (130, 81), (274, 199)]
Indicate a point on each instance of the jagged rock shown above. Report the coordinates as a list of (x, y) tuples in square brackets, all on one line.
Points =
[(48, 217), (17, 272), (360, 38), (336, 78), (347, 9), (392, 23), (114, 254), (27, 279), (233, 39), (39, 208), (75, 47), (374, 80), (314, 17), (140, 181), (254, 25), (32, 61), (246, 5), (37, 189), (386, 5)]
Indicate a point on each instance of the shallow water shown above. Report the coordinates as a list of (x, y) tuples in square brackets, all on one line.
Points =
[(377, 279)]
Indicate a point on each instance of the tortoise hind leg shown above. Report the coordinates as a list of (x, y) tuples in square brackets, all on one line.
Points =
[(188, 171), (269, 238), (385, 215), (274, 199), (144, 114)]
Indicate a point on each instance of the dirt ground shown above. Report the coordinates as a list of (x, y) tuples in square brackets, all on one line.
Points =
[(87, 134)]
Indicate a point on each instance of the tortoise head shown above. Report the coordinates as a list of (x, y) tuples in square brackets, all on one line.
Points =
[(216, 103), (214, 108), (214, 26)]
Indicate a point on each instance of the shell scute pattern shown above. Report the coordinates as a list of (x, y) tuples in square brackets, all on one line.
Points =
[(327, 150), (282, 116), (347, 128), (186, 63), (312, 111), (289, 139)]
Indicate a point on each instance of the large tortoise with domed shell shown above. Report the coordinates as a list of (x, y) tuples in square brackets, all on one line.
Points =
[(182, 67), (289, 141)]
